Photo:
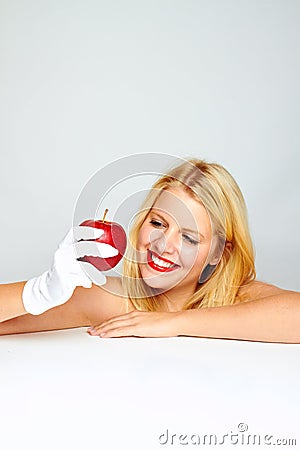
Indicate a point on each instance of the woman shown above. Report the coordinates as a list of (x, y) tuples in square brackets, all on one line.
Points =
[(189, 270)]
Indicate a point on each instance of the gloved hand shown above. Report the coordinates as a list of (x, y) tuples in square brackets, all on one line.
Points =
[(55, 286)]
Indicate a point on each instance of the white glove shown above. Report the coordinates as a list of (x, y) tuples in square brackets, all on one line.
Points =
[(57, 285)]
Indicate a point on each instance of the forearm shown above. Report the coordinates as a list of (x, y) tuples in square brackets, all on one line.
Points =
[(11, 304), (269, 319)]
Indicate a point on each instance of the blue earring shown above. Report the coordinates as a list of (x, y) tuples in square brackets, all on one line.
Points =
[(206, 273)]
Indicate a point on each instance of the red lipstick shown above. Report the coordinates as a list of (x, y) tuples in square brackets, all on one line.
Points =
[(157, 267)]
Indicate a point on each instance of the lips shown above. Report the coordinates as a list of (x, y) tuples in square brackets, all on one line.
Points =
[(160, 264)]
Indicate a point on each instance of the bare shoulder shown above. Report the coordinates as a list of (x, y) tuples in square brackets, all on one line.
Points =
[(256, 289), (104, 302)]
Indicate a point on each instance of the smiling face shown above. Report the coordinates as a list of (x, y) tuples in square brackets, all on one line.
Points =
[(174, 242)]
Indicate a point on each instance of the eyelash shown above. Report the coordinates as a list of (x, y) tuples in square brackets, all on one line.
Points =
[(158, 224), (190, 240)]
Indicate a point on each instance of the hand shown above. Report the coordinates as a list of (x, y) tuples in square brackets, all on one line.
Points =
[(57, 285), (139, 323)]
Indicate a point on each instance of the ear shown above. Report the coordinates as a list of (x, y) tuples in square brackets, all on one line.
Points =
[(228, 247), (226, 251)]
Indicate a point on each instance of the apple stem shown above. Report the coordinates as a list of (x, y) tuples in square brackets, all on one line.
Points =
[(104, 215)]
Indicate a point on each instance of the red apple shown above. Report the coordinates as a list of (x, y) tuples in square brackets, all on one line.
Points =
[(114, 234)]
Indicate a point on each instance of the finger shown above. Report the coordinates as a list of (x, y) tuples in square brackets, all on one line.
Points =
[(121, 331), (93, 274), (83, 232), (115, 319), (117, 324), (98, 249), (78, 280), (77, 233)]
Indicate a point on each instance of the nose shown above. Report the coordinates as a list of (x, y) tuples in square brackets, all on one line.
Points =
[(166, 241)]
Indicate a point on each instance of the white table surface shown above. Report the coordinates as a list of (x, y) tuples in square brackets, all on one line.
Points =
[(68, 390)]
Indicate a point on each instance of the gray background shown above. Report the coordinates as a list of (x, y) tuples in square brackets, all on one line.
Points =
[(83, 83)]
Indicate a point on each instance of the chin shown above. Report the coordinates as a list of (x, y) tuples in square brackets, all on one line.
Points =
[(159, 282), (152, 280), (155, 284)]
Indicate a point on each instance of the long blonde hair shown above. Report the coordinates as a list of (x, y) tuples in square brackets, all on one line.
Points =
[(213, 186)]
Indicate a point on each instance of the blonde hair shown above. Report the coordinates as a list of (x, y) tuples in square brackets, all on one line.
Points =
[(213, 186)]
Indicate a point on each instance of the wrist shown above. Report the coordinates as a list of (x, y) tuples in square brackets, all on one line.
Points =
[(31, 296), (178, 322), (45, 292), (190, 322)]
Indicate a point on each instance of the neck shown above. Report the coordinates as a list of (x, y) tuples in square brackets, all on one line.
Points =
[(175, 299)]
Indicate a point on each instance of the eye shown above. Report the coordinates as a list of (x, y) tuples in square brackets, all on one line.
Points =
[(189, 239), (156, 223)]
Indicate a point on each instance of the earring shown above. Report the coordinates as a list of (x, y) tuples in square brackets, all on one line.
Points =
[(206, 273)]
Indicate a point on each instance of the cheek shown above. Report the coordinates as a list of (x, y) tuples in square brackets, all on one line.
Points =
[(189, 255), (143, 238), (194, 256), (148, 236)]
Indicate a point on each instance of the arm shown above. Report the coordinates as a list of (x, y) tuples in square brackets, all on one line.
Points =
[(69, 315), (273, 318), (86, 307), (11, 304), (268, 314)]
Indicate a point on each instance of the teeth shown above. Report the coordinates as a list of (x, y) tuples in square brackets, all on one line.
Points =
[(160, 263)]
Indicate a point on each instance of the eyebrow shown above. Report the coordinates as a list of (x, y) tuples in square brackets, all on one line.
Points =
[(182, 229)]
